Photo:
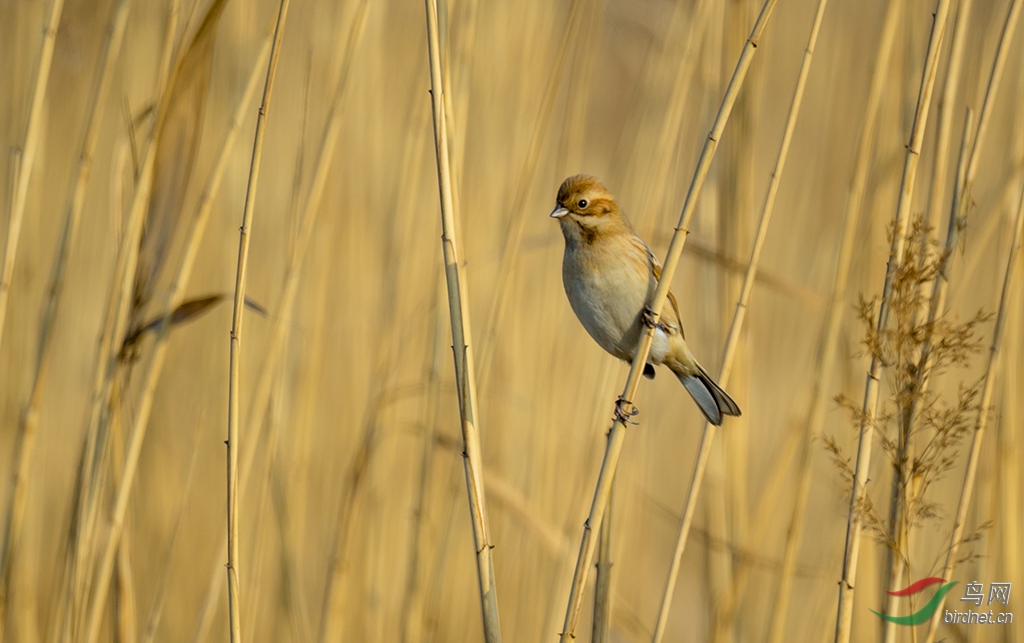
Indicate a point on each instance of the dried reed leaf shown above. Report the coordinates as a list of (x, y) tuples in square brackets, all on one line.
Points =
[(187, 310), (177, 148)]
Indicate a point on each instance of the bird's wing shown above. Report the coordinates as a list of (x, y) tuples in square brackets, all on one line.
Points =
[(656, 268)]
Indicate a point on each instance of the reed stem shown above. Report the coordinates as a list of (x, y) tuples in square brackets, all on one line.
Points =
[(458, 307)]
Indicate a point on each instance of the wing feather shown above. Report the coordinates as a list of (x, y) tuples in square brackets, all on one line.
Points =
[(656, 269)]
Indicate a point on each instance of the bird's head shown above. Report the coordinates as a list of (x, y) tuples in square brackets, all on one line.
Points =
[(586, 209)]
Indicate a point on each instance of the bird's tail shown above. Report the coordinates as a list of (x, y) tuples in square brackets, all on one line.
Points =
[(709, 396)]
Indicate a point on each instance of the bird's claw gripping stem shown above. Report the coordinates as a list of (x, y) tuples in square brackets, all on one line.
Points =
[(622, 414), (649, 319)]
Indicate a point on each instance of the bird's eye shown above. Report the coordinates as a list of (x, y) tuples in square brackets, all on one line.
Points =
[(583, 204)]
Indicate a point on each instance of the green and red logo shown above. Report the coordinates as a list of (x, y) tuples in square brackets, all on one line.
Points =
[(925, 613)]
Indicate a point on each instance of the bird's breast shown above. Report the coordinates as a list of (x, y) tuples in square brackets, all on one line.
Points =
[(607, 288)]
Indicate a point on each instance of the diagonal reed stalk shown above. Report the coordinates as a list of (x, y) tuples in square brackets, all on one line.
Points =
[(617, 434), (844, 617), (732, 343), (28, 156), (25, 440), (827, 344), (1006, 295), (464, 368), (234, 368)]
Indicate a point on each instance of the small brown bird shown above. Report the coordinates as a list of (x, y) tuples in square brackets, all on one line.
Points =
[(610, 276)]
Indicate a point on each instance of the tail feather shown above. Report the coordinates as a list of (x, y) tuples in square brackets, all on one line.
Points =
[(709, 396)]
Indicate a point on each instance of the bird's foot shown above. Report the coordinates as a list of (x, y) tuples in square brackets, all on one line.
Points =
[(650, 320), (625, 411)]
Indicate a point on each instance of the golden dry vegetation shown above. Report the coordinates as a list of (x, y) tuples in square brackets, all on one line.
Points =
[(352, 517)]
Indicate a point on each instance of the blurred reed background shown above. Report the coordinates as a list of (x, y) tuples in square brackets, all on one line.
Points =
[(353, 514)]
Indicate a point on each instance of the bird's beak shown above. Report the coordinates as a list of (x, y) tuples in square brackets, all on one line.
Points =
[(559, 212)]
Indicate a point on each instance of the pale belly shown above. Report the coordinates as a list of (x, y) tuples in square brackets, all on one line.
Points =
[(609, 306)]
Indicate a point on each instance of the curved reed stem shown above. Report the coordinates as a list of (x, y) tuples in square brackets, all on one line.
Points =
[(234, 373)]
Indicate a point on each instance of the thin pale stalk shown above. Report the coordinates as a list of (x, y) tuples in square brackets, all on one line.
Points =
[(261, 395), (947, 105), (28, 156), (828, 342), (636, 140), (15, 508), (655, 180), (617, 434), (998, 66), (1007, 295), (462, 347), (234, 368), (735, 329), (412, 623), (602, 620), (76, 200), (1008, 437), (167, 52), (160, 597), (844, 618), (334, 603)]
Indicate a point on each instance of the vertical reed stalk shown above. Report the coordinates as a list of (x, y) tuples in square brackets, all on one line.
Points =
[(284, 307), (464, 368), (616, 435), (28, 156), (234, 373), (844, 618)]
